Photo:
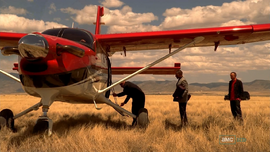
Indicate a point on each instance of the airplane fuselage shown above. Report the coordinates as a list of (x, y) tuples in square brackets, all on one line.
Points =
[(70, 65)]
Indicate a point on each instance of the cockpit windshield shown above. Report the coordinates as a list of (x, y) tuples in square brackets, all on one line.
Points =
[(77, 35)]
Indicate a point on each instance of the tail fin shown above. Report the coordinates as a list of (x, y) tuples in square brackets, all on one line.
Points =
[(100, 13)]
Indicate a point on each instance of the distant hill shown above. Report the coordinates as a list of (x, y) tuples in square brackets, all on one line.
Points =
[(256, 85), (9, 86), (167, 87)]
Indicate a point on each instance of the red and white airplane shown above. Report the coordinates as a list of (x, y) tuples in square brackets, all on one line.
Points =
[(72, 65)]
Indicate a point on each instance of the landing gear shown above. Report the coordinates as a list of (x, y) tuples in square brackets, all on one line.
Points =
[(142, 119), (6, 119), (43, 124)]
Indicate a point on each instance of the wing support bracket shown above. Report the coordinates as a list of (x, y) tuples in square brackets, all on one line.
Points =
[(216, 45), (96, 105), (194, 41), (125, 51), (170, 48)]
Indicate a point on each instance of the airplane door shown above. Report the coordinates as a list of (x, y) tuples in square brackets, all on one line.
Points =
[(109, 80)]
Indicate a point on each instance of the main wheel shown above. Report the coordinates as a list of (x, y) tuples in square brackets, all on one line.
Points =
[(6, 119), (41, 126), (142, 119), (3, 122)]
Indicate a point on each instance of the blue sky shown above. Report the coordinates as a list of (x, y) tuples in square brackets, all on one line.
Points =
[(250, 61)]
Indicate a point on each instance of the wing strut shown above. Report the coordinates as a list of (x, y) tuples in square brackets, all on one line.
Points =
[(195, 40), (11, 76)]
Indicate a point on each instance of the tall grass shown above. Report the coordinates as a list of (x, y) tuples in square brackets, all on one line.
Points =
[(82, 128)]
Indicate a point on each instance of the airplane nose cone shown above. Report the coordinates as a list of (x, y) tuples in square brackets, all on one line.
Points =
[(33, 46)]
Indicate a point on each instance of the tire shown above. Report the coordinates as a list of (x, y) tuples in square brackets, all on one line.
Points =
[(142, 119), (3, 122), (7, 114), (41, 126)]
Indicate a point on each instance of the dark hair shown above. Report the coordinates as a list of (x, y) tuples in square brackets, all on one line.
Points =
[(234, 73), (179, 72)]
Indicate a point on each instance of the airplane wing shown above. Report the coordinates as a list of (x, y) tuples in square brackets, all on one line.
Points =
[(10, 39), (176, 38), (152, 70)]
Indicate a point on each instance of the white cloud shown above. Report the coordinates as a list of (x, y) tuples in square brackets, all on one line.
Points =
[(13, 10), (52, 8), (13, 23), (127, 18), (126, 9), (133, 28), (85, 16), (239, 12), (236, 22), (70, 10), (57, 19), (204, 60), (112, 3), (122, 17)]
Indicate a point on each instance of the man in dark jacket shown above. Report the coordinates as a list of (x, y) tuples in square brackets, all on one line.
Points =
[(235, 93), (137, 95), (181, 95)]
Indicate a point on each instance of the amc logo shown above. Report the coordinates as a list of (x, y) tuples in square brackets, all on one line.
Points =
[(230, 139), (227, 139)]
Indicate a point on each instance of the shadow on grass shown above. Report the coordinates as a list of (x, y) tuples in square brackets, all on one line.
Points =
[(89, 120), (172, 126), (64, 125), (206, 124)]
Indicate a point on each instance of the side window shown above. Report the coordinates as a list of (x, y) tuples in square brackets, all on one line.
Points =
[(79, 36), (53, 32)]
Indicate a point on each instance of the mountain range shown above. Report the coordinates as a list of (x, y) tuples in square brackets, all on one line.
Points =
[(9, 86)]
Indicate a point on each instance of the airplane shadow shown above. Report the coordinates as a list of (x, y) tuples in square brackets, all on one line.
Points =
[(66, 124)]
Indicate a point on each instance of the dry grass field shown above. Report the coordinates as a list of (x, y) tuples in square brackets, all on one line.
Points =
[(82, 128)]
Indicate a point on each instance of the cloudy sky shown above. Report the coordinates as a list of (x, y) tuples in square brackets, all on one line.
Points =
[(203, 65)]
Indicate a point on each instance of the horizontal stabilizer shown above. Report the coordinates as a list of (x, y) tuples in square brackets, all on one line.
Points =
[(152, 70)]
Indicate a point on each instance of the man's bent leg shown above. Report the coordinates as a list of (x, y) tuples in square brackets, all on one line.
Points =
[(135, 110), (134, 122)]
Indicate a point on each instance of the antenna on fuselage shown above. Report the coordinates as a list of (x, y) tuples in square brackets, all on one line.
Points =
[(100, 13)]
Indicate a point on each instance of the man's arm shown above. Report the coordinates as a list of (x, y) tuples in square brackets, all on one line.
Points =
[(185, 85), (121, 94), (229, 91), (241, 88), (127, 98)]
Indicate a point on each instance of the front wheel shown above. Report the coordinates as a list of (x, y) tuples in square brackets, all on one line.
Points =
[(6, 119)]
